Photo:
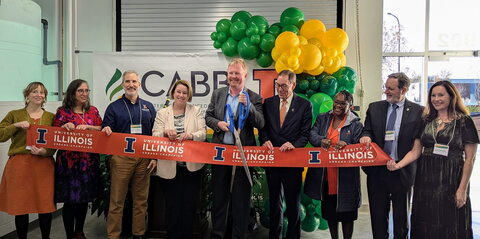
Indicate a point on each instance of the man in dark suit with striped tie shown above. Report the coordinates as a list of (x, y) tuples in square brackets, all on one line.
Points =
[(393, 124)]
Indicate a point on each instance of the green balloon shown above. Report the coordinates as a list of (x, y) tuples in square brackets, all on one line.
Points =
[(350, 73), (255, 39), (284, 227), (303, 85), (260, 22), (317, 100), (229, 48), (302, 95), (326, 106), (222, 37), (323, 224), (310, 209), (310, 223), (247, 50), (321, 76), (305, 199), (351, 90), (350, 84), (267, 42), (265, 220), (341, 80), (241, 16), (328, 85), (314, 84), (264, 59), (223, 25), (290, 28), (303, 212), (340, 88), (237, 30), (217, 44), (310, 92), (292, 16), (275, 29), (214, 36), (318, 209), (251, 30)]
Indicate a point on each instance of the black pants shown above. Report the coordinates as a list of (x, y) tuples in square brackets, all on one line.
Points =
[(288, 181), (385, 187), (238, 201), (181, 199)]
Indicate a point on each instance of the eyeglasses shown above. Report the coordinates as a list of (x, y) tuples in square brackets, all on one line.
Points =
[(81, 91), (341, 103), (385, 88), (283, 86)]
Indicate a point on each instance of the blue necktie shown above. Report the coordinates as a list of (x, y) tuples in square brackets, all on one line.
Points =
[(390, 127)]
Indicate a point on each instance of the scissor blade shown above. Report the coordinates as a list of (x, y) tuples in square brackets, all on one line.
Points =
[(242, 155)]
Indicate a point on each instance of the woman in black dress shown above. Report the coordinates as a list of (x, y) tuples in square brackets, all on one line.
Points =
[(441, 206)]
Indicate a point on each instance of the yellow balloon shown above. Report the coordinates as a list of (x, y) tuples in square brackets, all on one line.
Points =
[(317, 71), (331, 69), (296, 51), (337, 62), (279, 66), (283, 59), (311, 57), (304, 174), (335, 38), (313, 28), (327, 61), (302, 40), (316, 42), (332, 52), (275, 54), (299, 70), (286, 41), (292, 61), (343, 59)]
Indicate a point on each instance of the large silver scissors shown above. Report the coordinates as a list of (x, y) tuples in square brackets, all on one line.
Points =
[(243, 110)]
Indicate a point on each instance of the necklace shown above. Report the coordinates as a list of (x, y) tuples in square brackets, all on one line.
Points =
[(442, 121)]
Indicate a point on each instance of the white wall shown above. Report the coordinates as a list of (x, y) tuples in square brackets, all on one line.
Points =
[(369, 52)]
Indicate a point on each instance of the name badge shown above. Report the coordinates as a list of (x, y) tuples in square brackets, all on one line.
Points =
[(136, 129), (441, 149), (28, 147), (389, 135)]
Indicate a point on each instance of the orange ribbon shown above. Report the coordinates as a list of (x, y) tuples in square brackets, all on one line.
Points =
[(201, 152)]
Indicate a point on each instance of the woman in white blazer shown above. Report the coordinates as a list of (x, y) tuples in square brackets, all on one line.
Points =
[(180, 180)]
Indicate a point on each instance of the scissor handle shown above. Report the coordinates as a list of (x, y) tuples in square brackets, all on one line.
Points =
[(244, 110), (242, 114)]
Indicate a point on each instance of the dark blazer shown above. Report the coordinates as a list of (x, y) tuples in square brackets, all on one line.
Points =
[(348, 189), (375, 123), (216, 111), (295, 128)]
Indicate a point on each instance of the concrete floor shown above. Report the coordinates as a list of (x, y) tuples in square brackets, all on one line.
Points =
[(95, 228)]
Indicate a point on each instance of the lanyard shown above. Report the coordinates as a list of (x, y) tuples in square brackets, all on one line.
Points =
[(139, 108), (451, 137), (82, 116)]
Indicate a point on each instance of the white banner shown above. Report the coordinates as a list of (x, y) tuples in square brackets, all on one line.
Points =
[(158, 71)]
